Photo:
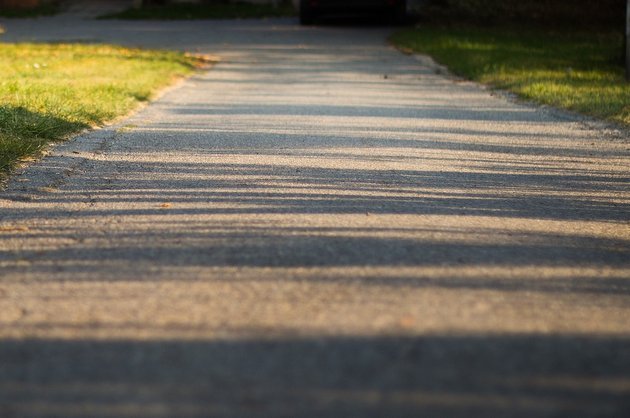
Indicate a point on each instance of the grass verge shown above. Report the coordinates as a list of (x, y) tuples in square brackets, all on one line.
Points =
[(187, 11), (50, 91), (580, 72)]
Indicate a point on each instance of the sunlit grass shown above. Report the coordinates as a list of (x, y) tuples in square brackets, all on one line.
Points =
[(50, 91), (580, 72)]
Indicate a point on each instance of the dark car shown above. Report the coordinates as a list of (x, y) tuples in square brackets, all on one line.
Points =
[(310, 10)]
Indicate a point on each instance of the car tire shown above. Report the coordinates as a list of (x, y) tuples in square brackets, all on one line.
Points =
[(307, 16), (399, 15)]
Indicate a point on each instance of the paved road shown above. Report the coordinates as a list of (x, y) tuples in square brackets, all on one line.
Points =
[(318, 227)]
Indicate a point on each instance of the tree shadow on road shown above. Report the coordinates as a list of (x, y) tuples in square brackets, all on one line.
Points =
[(390, 192), (431, 376)]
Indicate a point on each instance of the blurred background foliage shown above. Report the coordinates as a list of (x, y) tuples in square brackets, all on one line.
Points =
[(577, 14)]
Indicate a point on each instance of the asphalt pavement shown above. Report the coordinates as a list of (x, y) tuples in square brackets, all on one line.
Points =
[(318, 226)]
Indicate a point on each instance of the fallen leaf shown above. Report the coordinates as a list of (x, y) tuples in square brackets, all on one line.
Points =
[(13, 228), (407, 321)]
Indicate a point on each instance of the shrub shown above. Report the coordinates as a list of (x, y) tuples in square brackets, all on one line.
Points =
[(575, 13)]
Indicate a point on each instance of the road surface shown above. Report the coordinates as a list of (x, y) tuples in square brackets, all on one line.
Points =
[(320, 226)]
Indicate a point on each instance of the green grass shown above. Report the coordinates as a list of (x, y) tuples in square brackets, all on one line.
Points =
[(50, 91), (577, 71), (47, 9), (184, 11)]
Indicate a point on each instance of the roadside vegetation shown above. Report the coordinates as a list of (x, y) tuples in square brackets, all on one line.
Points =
[(577, 71), (585, 14), (564, 53), (45, 9), (214, 10), (51, 91)]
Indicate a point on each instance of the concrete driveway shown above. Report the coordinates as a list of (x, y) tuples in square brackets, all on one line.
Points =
[(320, 226)]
